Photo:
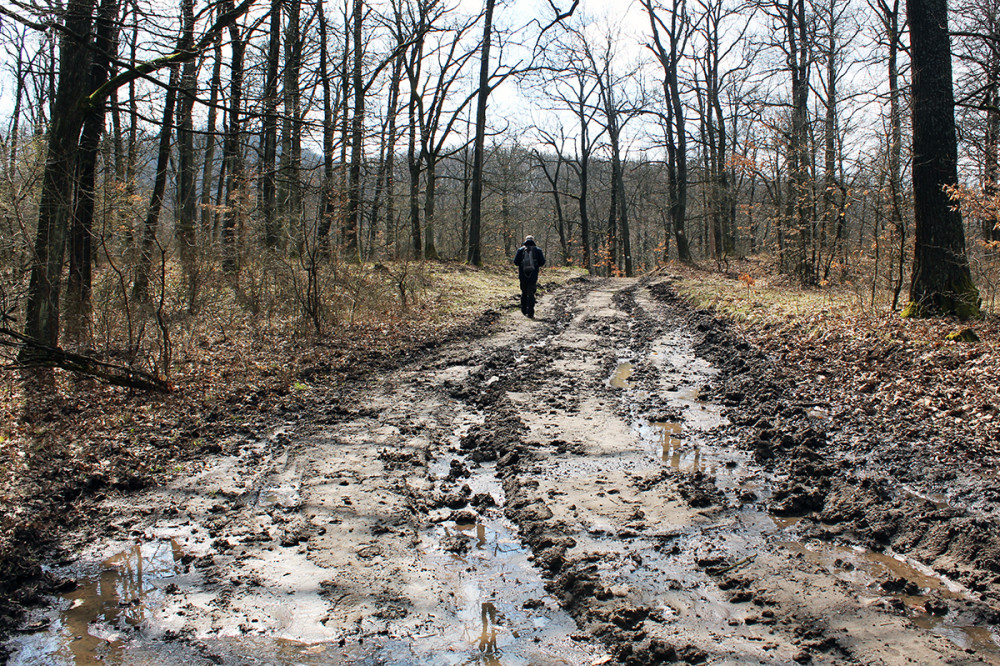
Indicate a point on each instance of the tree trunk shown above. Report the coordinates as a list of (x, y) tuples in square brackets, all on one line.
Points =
[(329, 206), (942, 282), (231, 155), (991, 148), (78, 286), (291, 154), (553, 178), (352, 230), (413, 164), (430, 187), (186, 195), (140, 288), (269, 130), (476, 214), (207, 212), (56, 204), (387, 149), (675, 128), (799, 209), (584, 179), (890, 23)]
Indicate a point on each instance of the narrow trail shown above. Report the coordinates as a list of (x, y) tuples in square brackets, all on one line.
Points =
[(556, 492)]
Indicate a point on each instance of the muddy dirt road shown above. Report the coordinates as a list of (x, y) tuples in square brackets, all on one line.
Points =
[(560, 491)]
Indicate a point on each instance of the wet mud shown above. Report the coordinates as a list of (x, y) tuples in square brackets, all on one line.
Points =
[(620, 481)]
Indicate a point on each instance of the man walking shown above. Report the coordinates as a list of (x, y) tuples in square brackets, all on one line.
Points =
[(529, 259)]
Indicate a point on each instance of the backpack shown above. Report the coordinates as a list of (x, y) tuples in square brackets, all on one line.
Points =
[(528, 259)]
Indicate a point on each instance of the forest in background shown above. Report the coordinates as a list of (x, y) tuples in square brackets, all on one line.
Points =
[(164, 167)]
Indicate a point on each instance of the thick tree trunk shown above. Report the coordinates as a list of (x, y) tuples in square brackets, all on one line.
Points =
[(55, 208), (675, 128), (799, 204), (942, 283), (78, 286)]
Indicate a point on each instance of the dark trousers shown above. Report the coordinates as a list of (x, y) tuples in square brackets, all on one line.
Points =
[(528, 288)]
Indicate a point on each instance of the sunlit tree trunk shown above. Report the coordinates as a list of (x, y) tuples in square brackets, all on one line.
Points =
[(208, 167), (669, 56), (476, 214), (55, 207), (186, 168), (78, 285), (290, 187)]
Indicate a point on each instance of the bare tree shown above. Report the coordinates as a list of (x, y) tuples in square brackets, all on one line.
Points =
[(669, 55)]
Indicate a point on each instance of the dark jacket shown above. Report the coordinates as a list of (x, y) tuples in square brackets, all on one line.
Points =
[(519, 259)]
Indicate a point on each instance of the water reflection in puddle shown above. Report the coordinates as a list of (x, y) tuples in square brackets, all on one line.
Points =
[(480, 530), (486, 542), (914, 585), (501, 613), (673, 452), (682, 447), (488, 639), (93, 621), (620, 378), (284, 497)]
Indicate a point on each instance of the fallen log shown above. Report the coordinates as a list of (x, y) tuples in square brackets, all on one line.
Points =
[(43, 356)]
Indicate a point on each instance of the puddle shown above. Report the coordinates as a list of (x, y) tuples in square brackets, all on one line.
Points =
[(488, 639), (284, 497), (675, 453), (93, 622), (480, 530), (937, 499), (501, 613), (917, 587), (619, 379), (867, 568), (784, 522), (483, 541)]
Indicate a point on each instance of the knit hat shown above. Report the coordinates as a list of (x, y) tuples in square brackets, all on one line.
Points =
[(529, 238)]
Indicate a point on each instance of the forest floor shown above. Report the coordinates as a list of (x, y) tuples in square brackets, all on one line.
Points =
[(681, 467)]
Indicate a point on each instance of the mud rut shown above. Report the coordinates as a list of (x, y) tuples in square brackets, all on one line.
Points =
[(554, 493)]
